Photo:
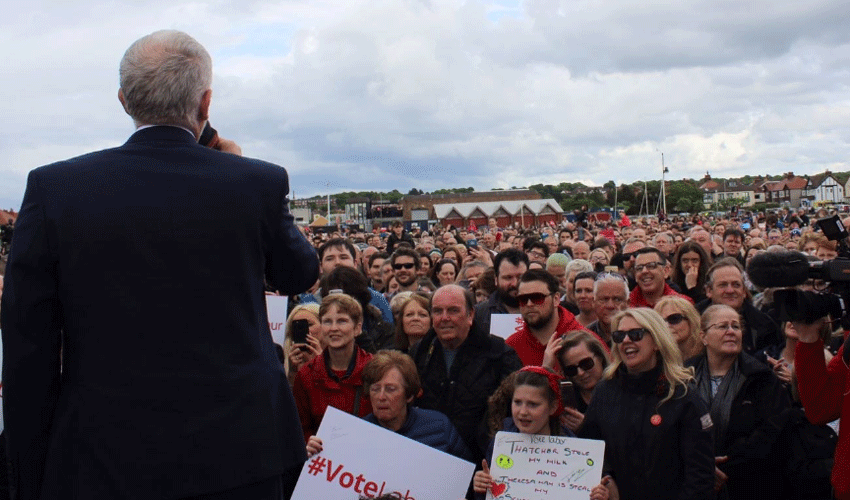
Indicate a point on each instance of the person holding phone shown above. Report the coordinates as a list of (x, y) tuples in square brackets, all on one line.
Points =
[(304, 339), (582, 358)]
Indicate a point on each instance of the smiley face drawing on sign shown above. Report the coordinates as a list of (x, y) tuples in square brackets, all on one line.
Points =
[(504, 461)]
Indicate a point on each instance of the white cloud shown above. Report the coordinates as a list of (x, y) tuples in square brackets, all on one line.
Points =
[(431, 94)]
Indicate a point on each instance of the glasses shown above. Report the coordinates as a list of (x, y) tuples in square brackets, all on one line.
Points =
[(635, 334), (628, 255), (675, 319), (649, 266), (536, 298), (585, 365), (409, 265), (735, 327)]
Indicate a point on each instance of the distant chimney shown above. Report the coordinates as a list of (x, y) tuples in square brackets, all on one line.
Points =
[(789, 175), (707, 177)]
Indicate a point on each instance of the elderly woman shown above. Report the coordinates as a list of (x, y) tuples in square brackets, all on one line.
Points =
[(582, 358), (684, 322), (657, 437), (334, 378), (392, 382), (745, 400), (413, 321)]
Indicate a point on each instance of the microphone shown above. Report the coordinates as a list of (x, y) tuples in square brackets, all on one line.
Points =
[(778, 269)]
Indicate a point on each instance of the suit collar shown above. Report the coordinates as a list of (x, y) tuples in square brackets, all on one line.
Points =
[(159, 133)]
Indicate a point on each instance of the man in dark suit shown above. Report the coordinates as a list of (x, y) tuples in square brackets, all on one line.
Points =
[(138, 361)]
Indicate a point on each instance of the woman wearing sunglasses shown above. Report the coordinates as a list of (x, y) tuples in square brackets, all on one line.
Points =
[(582, 358), (683, 320), (657, 431), (745, 399)]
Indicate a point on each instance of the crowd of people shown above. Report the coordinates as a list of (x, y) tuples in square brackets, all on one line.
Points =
[(138, 362), (670, 354)]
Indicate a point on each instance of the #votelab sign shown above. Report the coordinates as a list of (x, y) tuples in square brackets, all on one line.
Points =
[(363, 459)]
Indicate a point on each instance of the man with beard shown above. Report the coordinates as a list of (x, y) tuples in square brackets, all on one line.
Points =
[(538, 299), (405, 263), (509, 266)]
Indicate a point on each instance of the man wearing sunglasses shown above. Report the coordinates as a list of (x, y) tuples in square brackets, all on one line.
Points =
[(651, 270), (542, 316), (406, 263)]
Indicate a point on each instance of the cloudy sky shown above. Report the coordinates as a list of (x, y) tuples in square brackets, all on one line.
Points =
[(397, 94)]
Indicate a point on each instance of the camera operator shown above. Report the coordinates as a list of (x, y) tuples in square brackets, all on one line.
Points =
[(825, 396)]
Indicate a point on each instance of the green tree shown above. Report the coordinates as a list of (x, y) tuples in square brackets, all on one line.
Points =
[(684, 197)]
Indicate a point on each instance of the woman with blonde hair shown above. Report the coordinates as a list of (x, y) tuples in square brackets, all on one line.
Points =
[(657, 433), (297, 354), (683, 320)]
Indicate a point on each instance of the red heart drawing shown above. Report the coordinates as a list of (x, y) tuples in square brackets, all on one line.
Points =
[(498, 488)]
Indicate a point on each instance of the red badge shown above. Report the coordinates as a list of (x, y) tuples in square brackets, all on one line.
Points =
[(655, 420)]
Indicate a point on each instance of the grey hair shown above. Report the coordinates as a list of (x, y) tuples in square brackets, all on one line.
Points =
[(163, 77), (578, 265), (607, 278)]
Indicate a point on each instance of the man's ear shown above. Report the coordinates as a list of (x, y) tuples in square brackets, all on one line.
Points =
[(204, 108), (123, 100)]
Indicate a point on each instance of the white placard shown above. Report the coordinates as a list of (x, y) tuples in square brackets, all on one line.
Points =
[(276, 307), (537, 467), (505, 325), (361, 458)]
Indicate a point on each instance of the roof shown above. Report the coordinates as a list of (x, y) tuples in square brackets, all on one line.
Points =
[(491, 207), (819, 179), (5, 215)]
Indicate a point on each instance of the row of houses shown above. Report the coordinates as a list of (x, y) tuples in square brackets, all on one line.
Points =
[(790, 191)]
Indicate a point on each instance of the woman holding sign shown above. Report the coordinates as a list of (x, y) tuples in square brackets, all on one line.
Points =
[(334, 378), (657, 431), (528, 401)]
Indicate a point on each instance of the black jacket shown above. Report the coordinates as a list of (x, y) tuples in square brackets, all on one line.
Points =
[(393, 240), (756, 464), (481, 363), (672, 460), (760, 330), (484, 310)]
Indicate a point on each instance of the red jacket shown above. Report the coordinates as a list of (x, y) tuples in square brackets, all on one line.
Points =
[(315, 389), (823, 391), (528, 348), (636, 298)]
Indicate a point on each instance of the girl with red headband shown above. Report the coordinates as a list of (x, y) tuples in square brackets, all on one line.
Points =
[(528, 401)]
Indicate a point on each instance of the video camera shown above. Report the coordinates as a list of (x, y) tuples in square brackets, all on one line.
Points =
[(790, 269)]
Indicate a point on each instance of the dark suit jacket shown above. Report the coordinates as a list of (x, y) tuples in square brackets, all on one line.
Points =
[(140, 269)]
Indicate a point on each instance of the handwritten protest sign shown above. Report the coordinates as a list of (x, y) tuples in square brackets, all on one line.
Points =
[(276, 308), (505, 325), (534, 467), (360, 458)]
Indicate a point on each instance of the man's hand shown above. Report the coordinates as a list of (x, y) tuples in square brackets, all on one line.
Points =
[(227, 146)]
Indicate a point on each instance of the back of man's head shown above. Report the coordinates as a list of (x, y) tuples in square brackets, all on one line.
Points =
[(163, 79)]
